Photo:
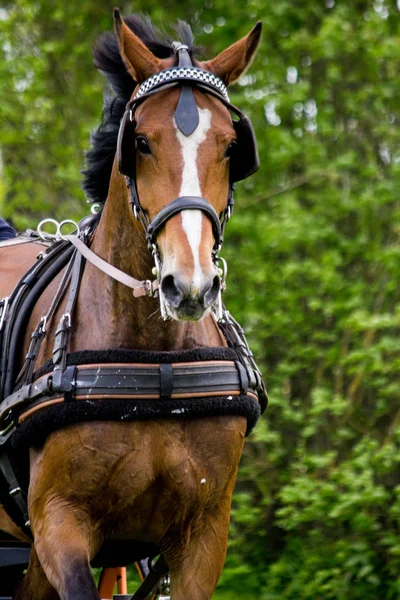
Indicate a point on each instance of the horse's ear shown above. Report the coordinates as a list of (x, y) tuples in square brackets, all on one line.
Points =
[(139, 60), (230, 64)]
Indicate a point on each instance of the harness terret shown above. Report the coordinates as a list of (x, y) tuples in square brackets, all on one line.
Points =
[(125, 384)]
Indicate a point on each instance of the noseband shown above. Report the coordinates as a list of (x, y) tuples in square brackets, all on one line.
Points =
[(177, 206), (243, 163)]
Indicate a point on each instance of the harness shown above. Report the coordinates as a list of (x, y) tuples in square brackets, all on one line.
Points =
[(130, 384)]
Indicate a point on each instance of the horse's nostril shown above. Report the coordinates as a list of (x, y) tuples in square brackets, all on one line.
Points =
[(179, 294), (171, 290), (211, 294)]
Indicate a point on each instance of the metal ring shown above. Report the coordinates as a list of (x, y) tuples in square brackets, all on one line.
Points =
[(43, 323), (47, 236), (65, 222), (223, 272)]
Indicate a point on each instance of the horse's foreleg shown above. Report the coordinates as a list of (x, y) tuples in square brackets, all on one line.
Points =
[(35, 585), (64, 542), (196, 565)]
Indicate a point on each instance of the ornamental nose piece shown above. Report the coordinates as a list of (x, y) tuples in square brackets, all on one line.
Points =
[(186, 114), (184, 301)]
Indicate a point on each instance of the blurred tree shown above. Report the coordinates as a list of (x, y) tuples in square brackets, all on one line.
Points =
[(313, 253)]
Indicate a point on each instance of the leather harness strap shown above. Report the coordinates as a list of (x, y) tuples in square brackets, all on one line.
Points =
[(140, 288), (20, 304), (27, 370), (130, 381), (64, 327), (177, 206)]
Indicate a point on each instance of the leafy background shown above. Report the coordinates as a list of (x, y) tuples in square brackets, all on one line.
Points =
[(313, 252)]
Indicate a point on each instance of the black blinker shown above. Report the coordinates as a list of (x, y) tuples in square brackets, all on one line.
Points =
[(244, 160)]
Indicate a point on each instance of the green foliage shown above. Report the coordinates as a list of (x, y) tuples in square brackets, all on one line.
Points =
[(313, 252)]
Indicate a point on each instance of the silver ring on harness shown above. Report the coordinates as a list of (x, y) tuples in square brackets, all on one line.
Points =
[(58, 235)]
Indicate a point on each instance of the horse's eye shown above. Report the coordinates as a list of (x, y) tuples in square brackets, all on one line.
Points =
[(230, 149), (142, 145)]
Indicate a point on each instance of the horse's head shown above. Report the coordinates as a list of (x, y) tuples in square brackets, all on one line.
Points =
[(177, 146)]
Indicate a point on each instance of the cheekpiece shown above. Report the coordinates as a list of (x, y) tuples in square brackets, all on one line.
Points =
[(186, 74)]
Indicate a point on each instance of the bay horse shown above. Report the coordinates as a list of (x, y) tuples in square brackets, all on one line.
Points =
[(165, 482)]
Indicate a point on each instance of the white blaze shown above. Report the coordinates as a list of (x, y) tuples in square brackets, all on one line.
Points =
[(190, 186)]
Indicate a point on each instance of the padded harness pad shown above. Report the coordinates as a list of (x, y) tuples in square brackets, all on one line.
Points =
[(36, 428)]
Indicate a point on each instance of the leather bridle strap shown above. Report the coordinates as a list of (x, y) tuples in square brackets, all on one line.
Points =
[(177, 206), (186, 117), (140, 288)]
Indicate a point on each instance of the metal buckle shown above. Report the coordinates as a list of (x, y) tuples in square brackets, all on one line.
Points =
[(223, 272), (147, 285), (67, 317), (157, 273), (216, 252), (4, 307), (217, 308), (157, 262), (42, 324)]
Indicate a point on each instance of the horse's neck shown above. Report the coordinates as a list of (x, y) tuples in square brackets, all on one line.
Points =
[(107, 313)]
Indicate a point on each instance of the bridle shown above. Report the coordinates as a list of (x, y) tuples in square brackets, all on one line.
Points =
[(244, 161), (187, 76)]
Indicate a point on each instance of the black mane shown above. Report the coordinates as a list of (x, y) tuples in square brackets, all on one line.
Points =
[(107, 59)]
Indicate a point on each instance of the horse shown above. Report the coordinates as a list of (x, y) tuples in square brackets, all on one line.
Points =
[(164, 482)]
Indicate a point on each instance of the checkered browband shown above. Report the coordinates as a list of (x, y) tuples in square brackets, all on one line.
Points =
[(182, 74)]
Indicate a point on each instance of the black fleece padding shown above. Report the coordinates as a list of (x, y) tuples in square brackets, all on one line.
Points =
[(34, 430)]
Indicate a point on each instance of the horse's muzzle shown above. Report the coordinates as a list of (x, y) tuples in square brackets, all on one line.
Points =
[(186, 303)]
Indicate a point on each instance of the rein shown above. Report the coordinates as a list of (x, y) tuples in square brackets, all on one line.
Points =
[(140, 288)]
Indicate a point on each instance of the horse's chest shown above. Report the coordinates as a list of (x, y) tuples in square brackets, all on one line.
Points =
[(140, 479)]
